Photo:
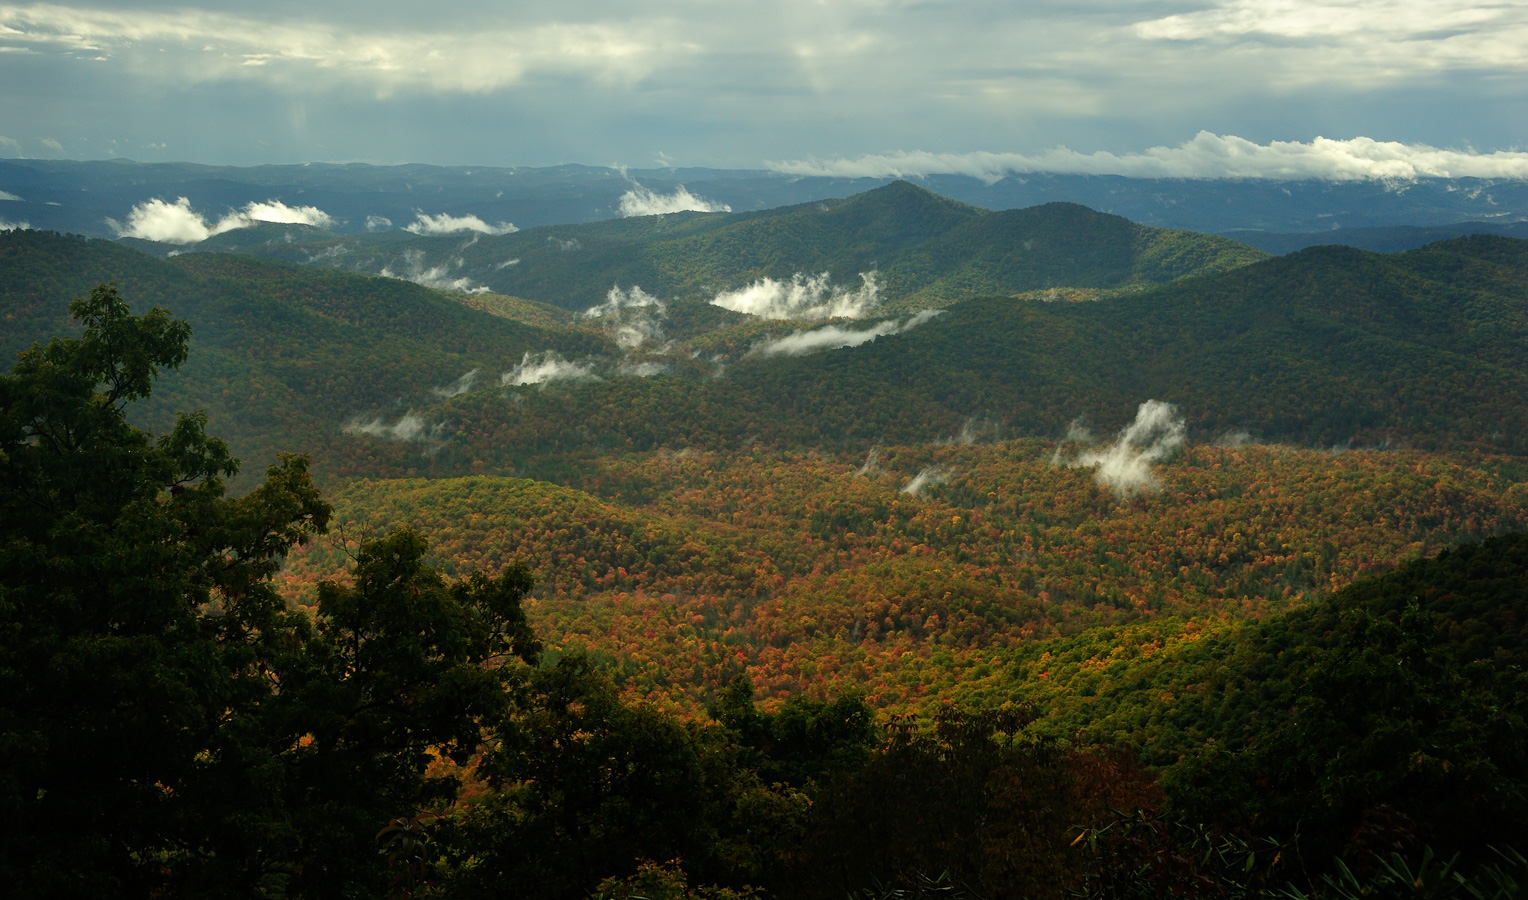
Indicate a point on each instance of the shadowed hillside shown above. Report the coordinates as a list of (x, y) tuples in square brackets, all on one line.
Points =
[(282, 356)]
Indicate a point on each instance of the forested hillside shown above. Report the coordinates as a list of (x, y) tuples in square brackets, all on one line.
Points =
[(1328, 347), (284, 356), (923, 249), (1398, 694), (821, 573)]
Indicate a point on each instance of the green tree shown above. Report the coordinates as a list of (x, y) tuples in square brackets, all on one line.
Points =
[(167, 725), (136, 613), (401, 666), (586, 787)]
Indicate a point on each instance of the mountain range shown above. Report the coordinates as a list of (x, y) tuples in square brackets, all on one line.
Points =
[(1050, 314), (1077, 490), (81, 197)]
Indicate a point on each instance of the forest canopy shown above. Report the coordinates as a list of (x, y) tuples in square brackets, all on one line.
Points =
[(174, 727)]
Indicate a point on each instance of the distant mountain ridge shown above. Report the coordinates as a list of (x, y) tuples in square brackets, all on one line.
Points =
[(922, 249), (79, 197), (1390, 239)]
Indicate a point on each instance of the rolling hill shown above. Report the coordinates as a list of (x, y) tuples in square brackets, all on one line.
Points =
[(1330, 347), (923, 249), (283, 357)]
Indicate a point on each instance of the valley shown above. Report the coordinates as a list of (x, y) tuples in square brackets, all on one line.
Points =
[(816, 575)]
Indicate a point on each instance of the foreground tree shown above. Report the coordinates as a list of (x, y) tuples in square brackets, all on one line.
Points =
[(167, 724)]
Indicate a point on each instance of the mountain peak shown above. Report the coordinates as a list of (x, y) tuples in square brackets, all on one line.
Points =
[(905, 195)]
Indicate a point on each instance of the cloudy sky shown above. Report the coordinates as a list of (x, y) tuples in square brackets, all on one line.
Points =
[(852, 86)]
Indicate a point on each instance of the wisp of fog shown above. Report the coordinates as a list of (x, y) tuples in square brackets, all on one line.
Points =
[(543, 368), (632, 316), (837, 337), (1125, 465)]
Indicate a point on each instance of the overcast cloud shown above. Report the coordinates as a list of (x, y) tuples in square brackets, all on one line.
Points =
[(858, 86)]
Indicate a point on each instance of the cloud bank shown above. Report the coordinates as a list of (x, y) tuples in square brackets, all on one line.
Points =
[(639, 201), (223, 47), (836, 337), (1206, 156), (803, 297), (6, 225), (178, 223), (633, 317), (446, 223), (1125, 466), (544, 368)]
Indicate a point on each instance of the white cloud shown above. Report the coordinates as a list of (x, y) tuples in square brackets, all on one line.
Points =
[(156, 220), (221, 47), (640, 201), (803, 297), (7, 195), (275, 211), (446, 223), (633, 317), (438, 277), (10, 147), (51, 144), (375, 223), (545, 367), (1324, 20), (178, 223), (1206, 156), (837, 337), (14, 226), (1125, 465)]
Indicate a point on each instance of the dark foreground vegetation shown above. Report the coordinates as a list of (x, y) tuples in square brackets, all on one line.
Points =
[(170, 727)]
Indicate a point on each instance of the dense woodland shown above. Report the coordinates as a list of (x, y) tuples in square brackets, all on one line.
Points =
[(866, 622), (812, 577)]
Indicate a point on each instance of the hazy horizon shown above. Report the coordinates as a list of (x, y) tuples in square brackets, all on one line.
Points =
[(1379, 89)]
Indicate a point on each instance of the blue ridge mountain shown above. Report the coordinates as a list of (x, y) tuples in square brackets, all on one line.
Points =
[(1330, 346)]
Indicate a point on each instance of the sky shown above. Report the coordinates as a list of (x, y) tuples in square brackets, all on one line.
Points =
[(1191, 88)]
